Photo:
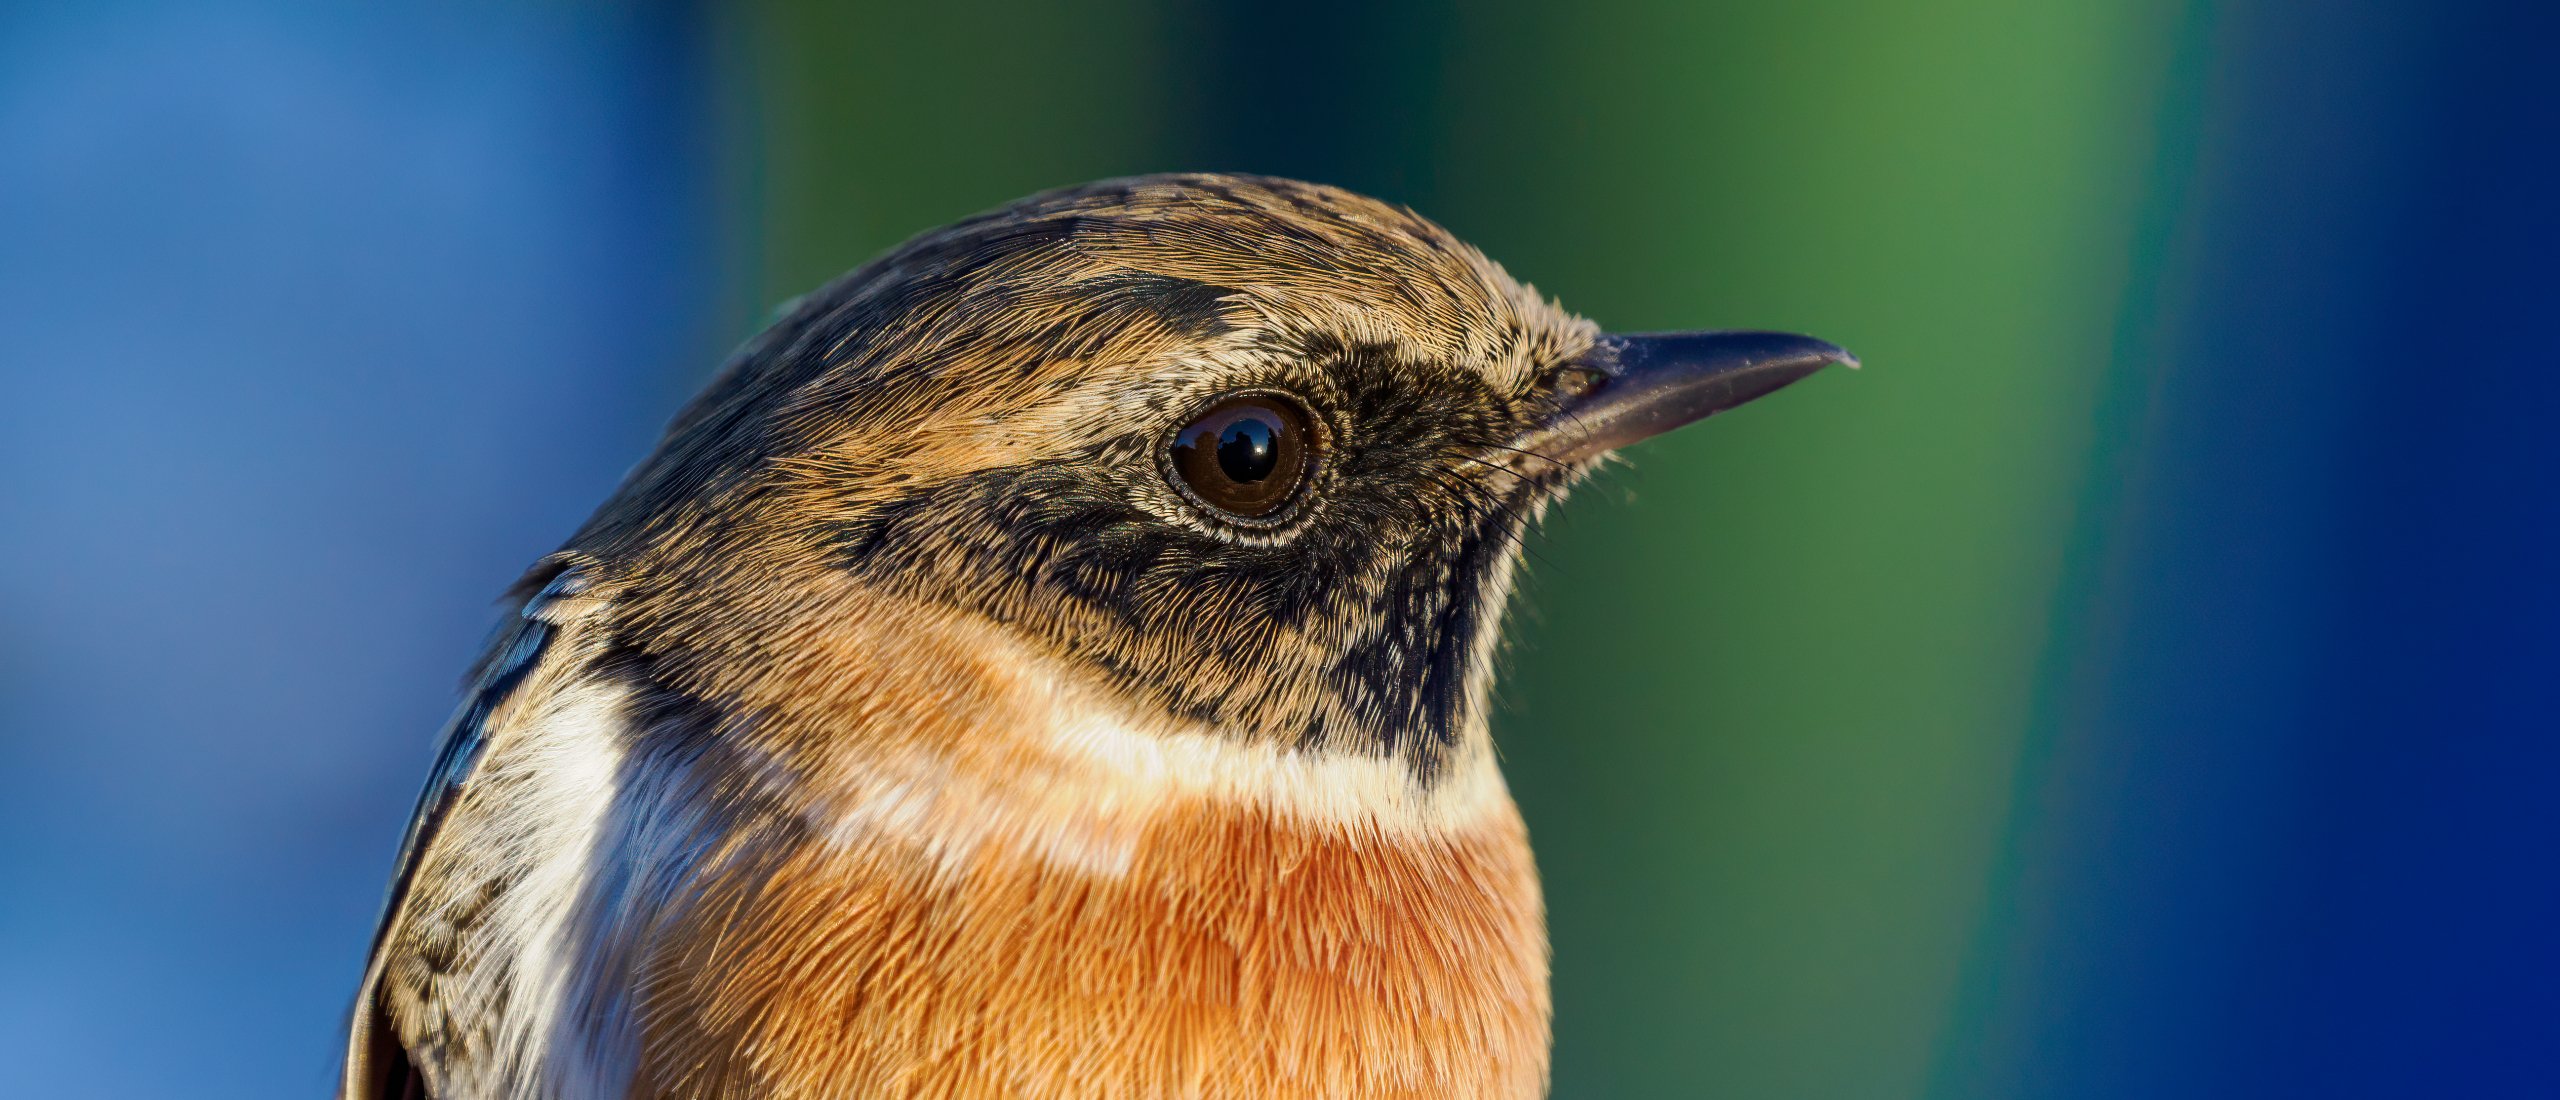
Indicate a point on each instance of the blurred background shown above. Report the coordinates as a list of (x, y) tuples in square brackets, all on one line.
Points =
[(2139, 682)]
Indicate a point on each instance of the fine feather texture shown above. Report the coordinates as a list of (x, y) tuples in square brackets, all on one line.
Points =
[(990, 892), (1033, 916), (905, 733)]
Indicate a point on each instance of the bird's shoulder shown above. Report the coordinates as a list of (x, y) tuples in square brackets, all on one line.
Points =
[(516, 690)]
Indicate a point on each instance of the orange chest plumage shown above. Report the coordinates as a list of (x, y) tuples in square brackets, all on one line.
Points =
[(1235, 956)]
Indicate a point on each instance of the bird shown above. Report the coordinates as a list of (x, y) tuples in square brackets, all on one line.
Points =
[(1051, 660)]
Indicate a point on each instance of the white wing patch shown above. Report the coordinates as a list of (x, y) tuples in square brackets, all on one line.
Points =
[(566, 761)]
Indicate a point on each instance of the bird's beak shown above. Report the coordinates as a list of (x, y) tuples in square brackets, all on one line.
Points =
[(1636, 387)]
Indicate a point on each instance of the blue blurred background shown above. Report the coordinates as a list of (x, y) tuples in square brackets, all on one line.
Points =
[(2140, 682)]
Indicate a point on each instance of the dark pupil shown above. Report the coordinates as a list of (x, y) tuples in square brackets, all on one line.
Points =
[(1249, 449), (1243, 456)]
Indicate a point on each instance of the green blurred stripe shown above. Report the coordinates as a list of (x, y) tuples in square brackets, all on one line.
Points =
[(878, 120), (1767, 717), (2020, 967)]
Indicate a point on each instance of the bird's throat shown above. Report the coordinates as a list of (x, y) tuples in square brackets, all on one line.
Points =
[(1234, 955), (1026, 890)]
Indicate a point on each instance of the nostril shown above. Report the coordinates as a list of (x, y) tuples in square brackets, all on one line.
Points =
[(1573, 382)]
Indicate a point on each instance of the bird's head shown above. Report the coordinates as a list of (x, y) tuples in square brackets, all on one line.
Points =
[(1258, 453)]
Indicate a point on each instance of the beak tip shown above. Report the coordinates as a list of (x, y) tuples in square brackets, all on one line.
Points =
[(1824, 353)]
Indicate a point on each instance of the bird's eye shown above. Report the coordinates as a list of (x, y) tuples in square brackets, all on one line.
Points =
[(1244, 456)]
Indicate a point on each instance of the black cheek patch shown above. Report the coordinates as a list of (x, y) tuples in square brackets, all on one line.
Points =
[(1384, 594)]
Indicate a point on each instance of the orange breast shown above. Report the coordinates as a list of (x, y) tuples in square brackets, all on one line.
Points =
[(1237, 956)]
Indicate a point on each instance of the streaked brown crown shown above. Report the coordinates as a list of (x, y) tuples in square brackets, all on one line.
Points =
[(980, 419)]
